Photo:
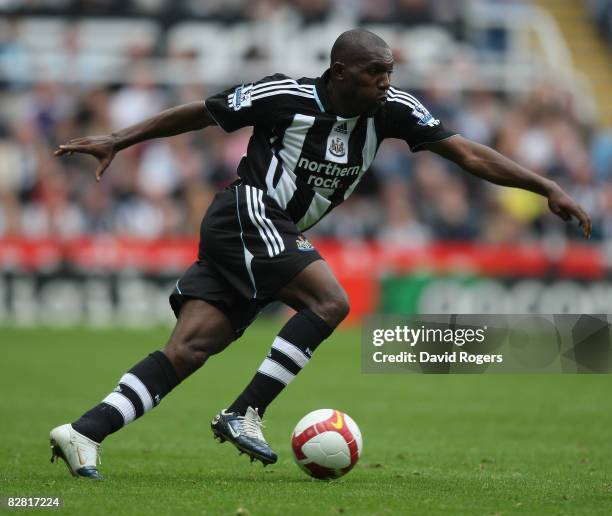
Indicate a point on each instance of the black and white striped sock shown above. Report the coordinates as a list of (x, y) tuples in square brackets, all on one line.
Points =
[(138, 391), (290, 352)]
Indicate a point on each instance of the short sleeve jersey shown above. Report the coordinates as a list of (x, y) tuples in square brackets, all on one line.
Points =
[(304, 156)]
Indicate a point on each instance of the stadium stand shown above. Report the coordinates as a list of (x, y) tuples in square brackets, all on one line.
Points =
[(63, 74), (501, 72)]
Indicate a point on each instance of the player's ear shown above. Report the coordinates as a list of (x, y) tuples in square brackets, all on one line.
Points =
[(338, 70)]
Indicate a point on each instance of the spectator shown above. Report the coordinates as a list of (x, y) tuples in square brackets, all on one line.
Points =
[(163, 187)]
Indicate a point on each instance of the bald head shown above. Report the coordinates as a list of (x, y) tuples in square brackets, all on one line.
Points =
[(359, 73), (356, 44)]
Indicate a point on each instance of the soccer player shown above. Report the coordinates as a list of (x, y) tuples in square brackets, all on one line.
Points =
[(313, 139)]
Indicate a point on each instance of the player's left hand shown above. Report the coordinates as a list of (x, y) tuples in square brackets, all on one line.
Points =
[(565, 207)]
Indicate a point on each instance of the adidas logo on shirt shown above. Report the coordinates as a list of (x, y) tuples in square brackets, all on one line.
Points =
[(342, 129)]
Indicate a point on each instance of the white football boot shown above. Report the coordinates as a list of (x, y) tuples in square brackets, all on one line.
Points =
[(80, 453)]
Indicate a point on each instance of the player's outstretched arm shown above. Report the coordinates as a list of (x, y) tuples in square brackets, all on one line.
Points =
[(173, 121), (486, 163)]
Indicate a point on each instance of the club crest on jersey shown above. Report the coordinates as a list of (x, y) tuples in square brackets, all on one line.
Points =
[(338, 138), (303, 244), (242, 97), (423, 116), (336, 147)]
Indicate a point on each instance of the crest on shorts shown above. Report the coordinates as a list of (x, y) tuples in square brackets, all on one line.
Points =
[(303, 244)]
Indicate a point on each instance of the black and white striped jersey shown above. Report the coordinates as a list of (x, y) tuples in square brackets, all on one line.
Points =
[(304, 156)]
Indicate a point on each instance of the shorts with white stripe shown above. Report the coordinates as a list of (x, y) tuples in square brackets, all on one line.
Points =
[(249, 249)]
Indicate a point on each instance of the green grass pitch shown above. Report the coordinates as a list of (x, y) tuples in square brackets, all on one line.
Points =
[(432, 444)]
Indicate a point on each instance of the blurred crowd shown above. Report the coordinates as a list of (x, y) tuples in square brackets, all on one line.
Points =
[(601, 12), (448, 13), (411, 12), (161, 188)]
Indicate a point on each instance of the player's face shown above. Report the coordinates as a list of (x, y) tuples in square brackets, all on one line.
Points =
[(367, 81)]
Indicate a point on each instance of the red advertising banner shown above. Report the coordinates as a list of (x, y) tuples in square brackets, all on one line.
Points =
[(358, 265)]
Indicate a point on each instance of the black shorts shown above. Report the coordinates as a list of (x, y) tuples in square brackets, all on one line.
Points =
[(249, 249)]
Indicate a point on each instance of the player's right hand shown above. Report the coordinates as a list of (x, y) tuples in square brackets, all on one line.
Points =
[(103, 148)]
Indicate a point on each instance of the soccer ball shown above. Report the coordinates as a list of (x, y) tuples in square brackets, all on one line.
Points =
[(326, 444)]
